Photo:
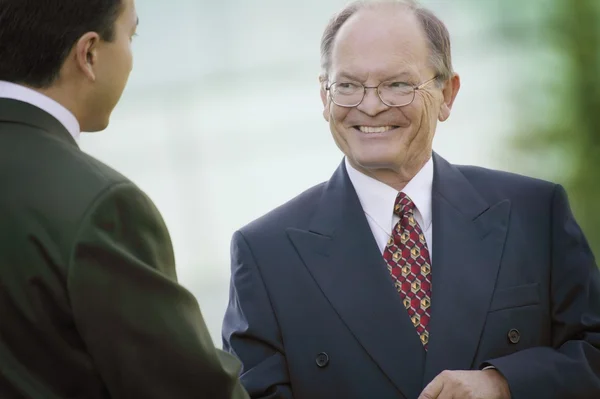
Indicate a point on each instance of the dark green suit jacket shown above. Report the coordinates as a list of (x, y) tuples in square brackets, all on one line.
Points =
[(90, 306)]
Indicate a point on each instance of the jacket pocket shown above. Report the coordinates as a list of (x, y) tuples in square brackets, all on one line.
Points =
[(513, 297)]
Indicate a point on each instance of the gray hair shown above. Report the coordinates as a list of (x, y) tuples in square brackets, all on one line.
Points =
[(435, 30)]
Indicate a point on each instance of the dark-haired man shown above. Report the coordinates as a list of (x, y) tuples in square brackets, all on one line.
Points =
[(90, 306), (404, 276)]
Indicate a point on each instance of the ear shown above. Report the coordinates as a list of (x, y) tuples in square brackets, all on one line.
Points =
[(325, 97), (86, 54), (450, 90)]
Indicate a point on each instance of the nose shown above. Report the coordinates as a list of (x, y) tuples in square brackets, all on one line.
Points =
[(371, 103)]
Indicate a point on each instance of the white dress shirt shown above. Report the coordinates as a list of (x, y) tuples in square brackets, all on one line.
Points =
[(27, 95), (377, 200)]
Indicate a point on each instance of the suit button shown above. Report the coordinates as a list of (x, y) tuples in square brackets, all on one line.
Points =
[(322, 359), (514, 336)]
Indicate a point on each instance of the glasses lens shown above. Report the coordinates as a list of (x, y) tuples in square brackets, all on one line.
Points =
[(396, 94), (347, 93)]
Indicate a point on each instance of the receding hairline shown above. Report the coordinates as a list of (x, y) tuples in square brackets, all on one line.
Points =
[(440, 57), (378, 9), (406, 5)]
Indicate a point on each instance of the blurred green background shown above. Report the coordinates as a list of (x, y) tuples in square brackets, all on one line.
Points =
[(557, 98), (222, 119)]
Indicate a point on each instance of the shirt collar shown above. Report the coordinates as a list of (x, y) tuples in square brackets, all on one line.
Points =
[(377, 198), (58, 111)]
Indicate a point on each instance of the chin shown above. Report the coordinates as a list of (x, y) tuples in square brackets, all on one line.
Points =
[(378, 158), (374, 162)]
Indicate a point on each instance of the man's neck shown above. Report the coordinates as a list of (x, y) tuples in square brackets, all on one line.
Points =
[(395, 177), (58, 94)]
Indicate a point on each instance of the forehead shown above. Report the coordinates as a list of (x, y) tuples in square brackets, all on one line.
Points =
[(382, 42)]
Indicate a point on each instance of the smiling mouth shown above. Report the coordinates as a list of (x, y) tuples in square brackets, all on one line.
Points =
[(372, 129)]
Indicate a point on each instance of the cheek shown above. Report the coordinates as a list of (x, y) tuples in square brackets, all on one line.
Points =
[(128, 57), (121, 63), (125, 69), (423, 112), (338, 115), (429, 110), (336, 126), (431, 106), (130, 54), (121, 69)]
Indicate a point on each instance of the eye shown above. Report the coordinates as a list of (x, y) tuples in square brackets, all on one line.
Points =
[(398, 85), (346, 87)]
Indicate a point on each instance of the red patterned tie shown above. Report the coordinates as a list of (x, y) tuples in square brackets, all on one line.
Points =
[(408, 261)]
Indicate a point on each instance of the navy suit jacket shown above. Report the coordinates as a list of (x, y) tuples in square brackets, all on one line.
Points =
[(313, 312)]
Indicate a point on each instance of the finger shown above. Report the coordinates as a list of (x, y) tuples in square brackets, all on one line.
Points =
[(433, 389)]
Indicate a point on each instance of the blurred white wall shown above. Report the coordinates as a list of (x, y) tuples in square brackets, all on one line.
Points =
[(222, 119)]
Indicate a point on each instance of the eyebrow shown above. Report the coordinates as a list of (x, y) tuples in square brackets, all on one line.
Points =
[(401, 75), (345, 75)]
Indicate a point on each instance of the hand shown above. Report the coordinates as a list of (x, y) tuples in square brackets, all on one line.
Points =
[(486, 384)]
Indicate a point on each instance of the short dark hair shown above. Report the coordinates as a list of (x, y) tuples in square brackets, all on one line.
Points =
[(435, 30), (37, 36)]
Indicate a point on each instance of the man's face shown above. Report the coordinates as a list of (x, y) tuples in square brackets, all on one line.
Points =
[(112, 69), (382, 45)]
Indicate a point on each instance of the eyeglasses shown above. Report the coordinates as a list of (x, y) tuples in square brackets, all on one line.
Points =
[(392, 94)]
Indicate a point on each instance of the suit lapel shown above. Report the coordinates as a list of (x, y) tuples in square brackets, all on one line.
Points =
[(341, 254), (468, 240)]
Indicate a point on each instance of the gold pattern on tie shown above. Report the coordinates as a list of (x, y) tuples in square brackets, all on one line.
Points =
[(408, 261)]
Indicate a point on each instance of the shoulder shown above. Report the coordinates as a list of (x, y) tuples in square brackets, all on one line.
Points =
[(296, 213), (497, 184), (54, 186)]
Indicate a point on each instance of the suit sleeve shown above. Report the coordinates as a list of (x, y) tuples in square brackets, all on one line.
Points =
[(143, 331), (571, 367), (250, 329)]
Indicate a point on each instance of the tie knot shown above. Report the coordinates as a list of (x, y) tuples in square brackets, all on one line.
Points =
[(403, 204)]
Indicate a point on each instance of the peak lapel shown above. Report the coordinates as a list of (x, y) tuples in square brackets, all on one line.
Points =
[(468, 236), (341, 254)]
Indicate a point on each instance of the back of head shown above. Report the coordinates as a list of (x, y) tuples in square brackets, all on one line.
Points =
[(36, 36), (77, 52)]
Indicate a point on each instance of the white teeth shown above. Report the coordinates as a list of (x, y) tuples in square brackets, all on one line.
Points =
[(370, 129)]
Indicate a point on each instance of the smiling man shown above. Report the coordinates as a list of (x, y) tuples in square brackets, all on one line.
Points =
[(404, 276)]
